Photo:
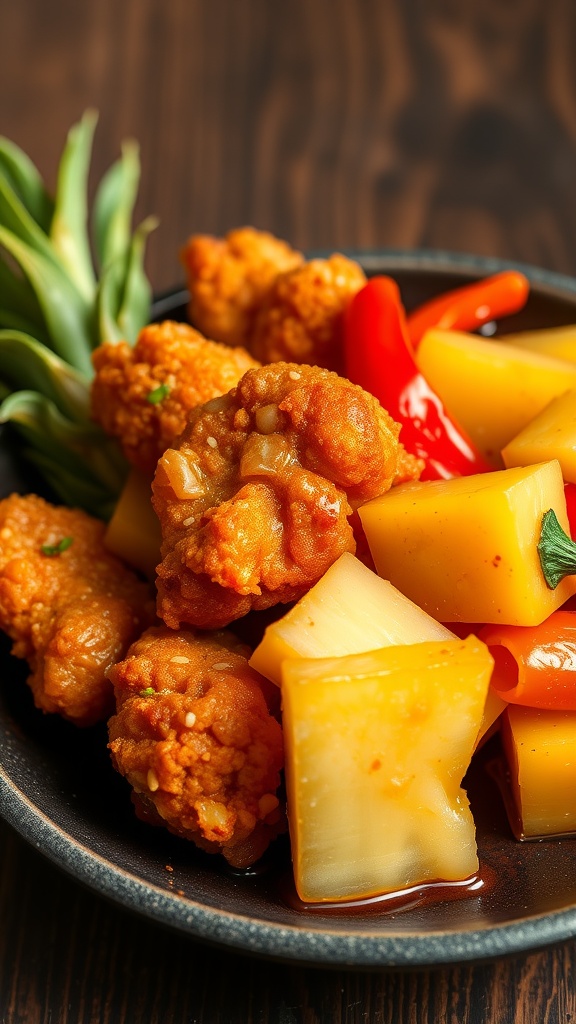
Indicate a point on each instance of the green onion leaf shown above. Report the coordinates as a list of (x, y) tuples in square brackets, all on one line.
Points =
[(134, 311), (82, 451), (147, 692), (29, 365), (114, 204), (18, 303), (66, 314), (23, 178), (14, 217), (68, 231)]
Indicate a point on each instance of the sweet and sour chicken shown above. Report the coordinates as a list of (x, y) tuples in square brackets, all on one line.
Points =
[(142, 395), (251, 289), (255, 500), (229, 277), (194, 737), (69, 606)]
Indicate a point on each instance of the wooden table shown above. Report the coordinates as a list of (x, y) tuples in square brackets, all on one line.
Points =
[(335, 123)]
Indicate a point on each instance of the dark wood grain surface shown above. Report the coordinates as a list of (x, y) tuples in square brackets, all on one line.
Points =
[(336, 123)]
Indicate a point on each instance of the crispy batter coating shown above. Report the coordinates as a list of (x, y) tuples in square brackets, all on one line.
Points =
[(195, 739), (228, 279), (301, 318), (254, 502), (71, 615), (170, 356)]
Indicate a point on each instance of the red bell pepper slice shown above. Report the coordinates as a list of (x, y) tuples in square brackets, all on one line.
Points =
[(379, 357), (467, 308), (535, 665), (570, 495)]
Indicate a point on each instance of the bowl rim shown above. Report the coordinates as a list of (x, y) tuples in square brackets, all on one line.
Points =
[(438, 261)]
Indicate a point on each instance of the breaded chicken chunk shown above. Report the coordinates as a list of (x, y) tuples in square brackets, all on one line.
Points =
[(302, 317), (254, 503), (228, 279), (70, 607), (143, 395), (194, 737)]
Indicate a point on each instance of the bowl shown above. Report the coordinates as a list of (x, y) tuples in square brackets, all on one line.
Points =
[(59, 791)]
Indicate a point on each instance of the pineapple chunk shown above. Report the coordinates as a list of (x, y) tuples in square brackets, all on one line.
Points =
[(349, 611), (540, 748), (492, 390), (550, 435), (558, 342), (377, 745), (465, 550), (133, 532)]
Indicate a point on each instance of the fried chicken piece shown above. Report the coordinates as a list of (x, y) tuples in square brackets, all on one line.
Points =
[(143, 395), (302, 317), (71, 613), (254, 502), (228, 279), (194, 737)]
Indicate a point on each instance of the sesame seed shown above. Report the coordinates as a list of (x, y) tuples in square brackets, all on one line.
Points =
[(220, 666), (190, 719), (189, 521), (179, 659), (294, 375), (212, 442), (152, 780)]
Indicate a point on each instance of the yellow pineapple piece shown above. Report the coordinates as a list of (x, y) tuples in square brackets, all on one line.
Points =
[(550, 435), (377, 745), (465, 550), (133, 532), (350, 610), (541, 752), (493, 390), (558, 342)]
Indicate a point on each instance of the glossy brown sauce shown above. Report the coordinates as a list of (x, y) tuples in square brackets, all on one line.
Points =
[(393, 902)]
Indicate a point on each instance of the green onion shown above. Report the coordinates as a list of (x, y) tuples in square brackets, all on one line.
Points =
[(158, 395), (54, 309), (147, 692), (51, 550)]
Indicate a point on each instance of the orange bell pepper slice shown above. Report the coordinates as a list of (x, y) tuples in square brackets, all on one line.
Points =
[(535, 665), (467, 308)]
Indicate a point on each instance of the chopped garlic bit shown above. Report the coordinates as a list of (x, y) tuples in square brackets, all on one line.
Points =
[(152, 780), (267, 418), (217, 404), (183, 476), (265, 455), (267, 804)]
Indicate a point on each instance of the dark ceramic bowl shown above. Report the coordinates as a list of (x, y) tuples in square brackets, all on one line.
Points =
[(58, 790)]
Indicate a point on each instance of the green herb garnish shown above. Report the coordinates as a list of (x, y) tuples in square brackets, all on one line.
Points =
[(557, 552), (159, 394), (147, 692), (50, 550)]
